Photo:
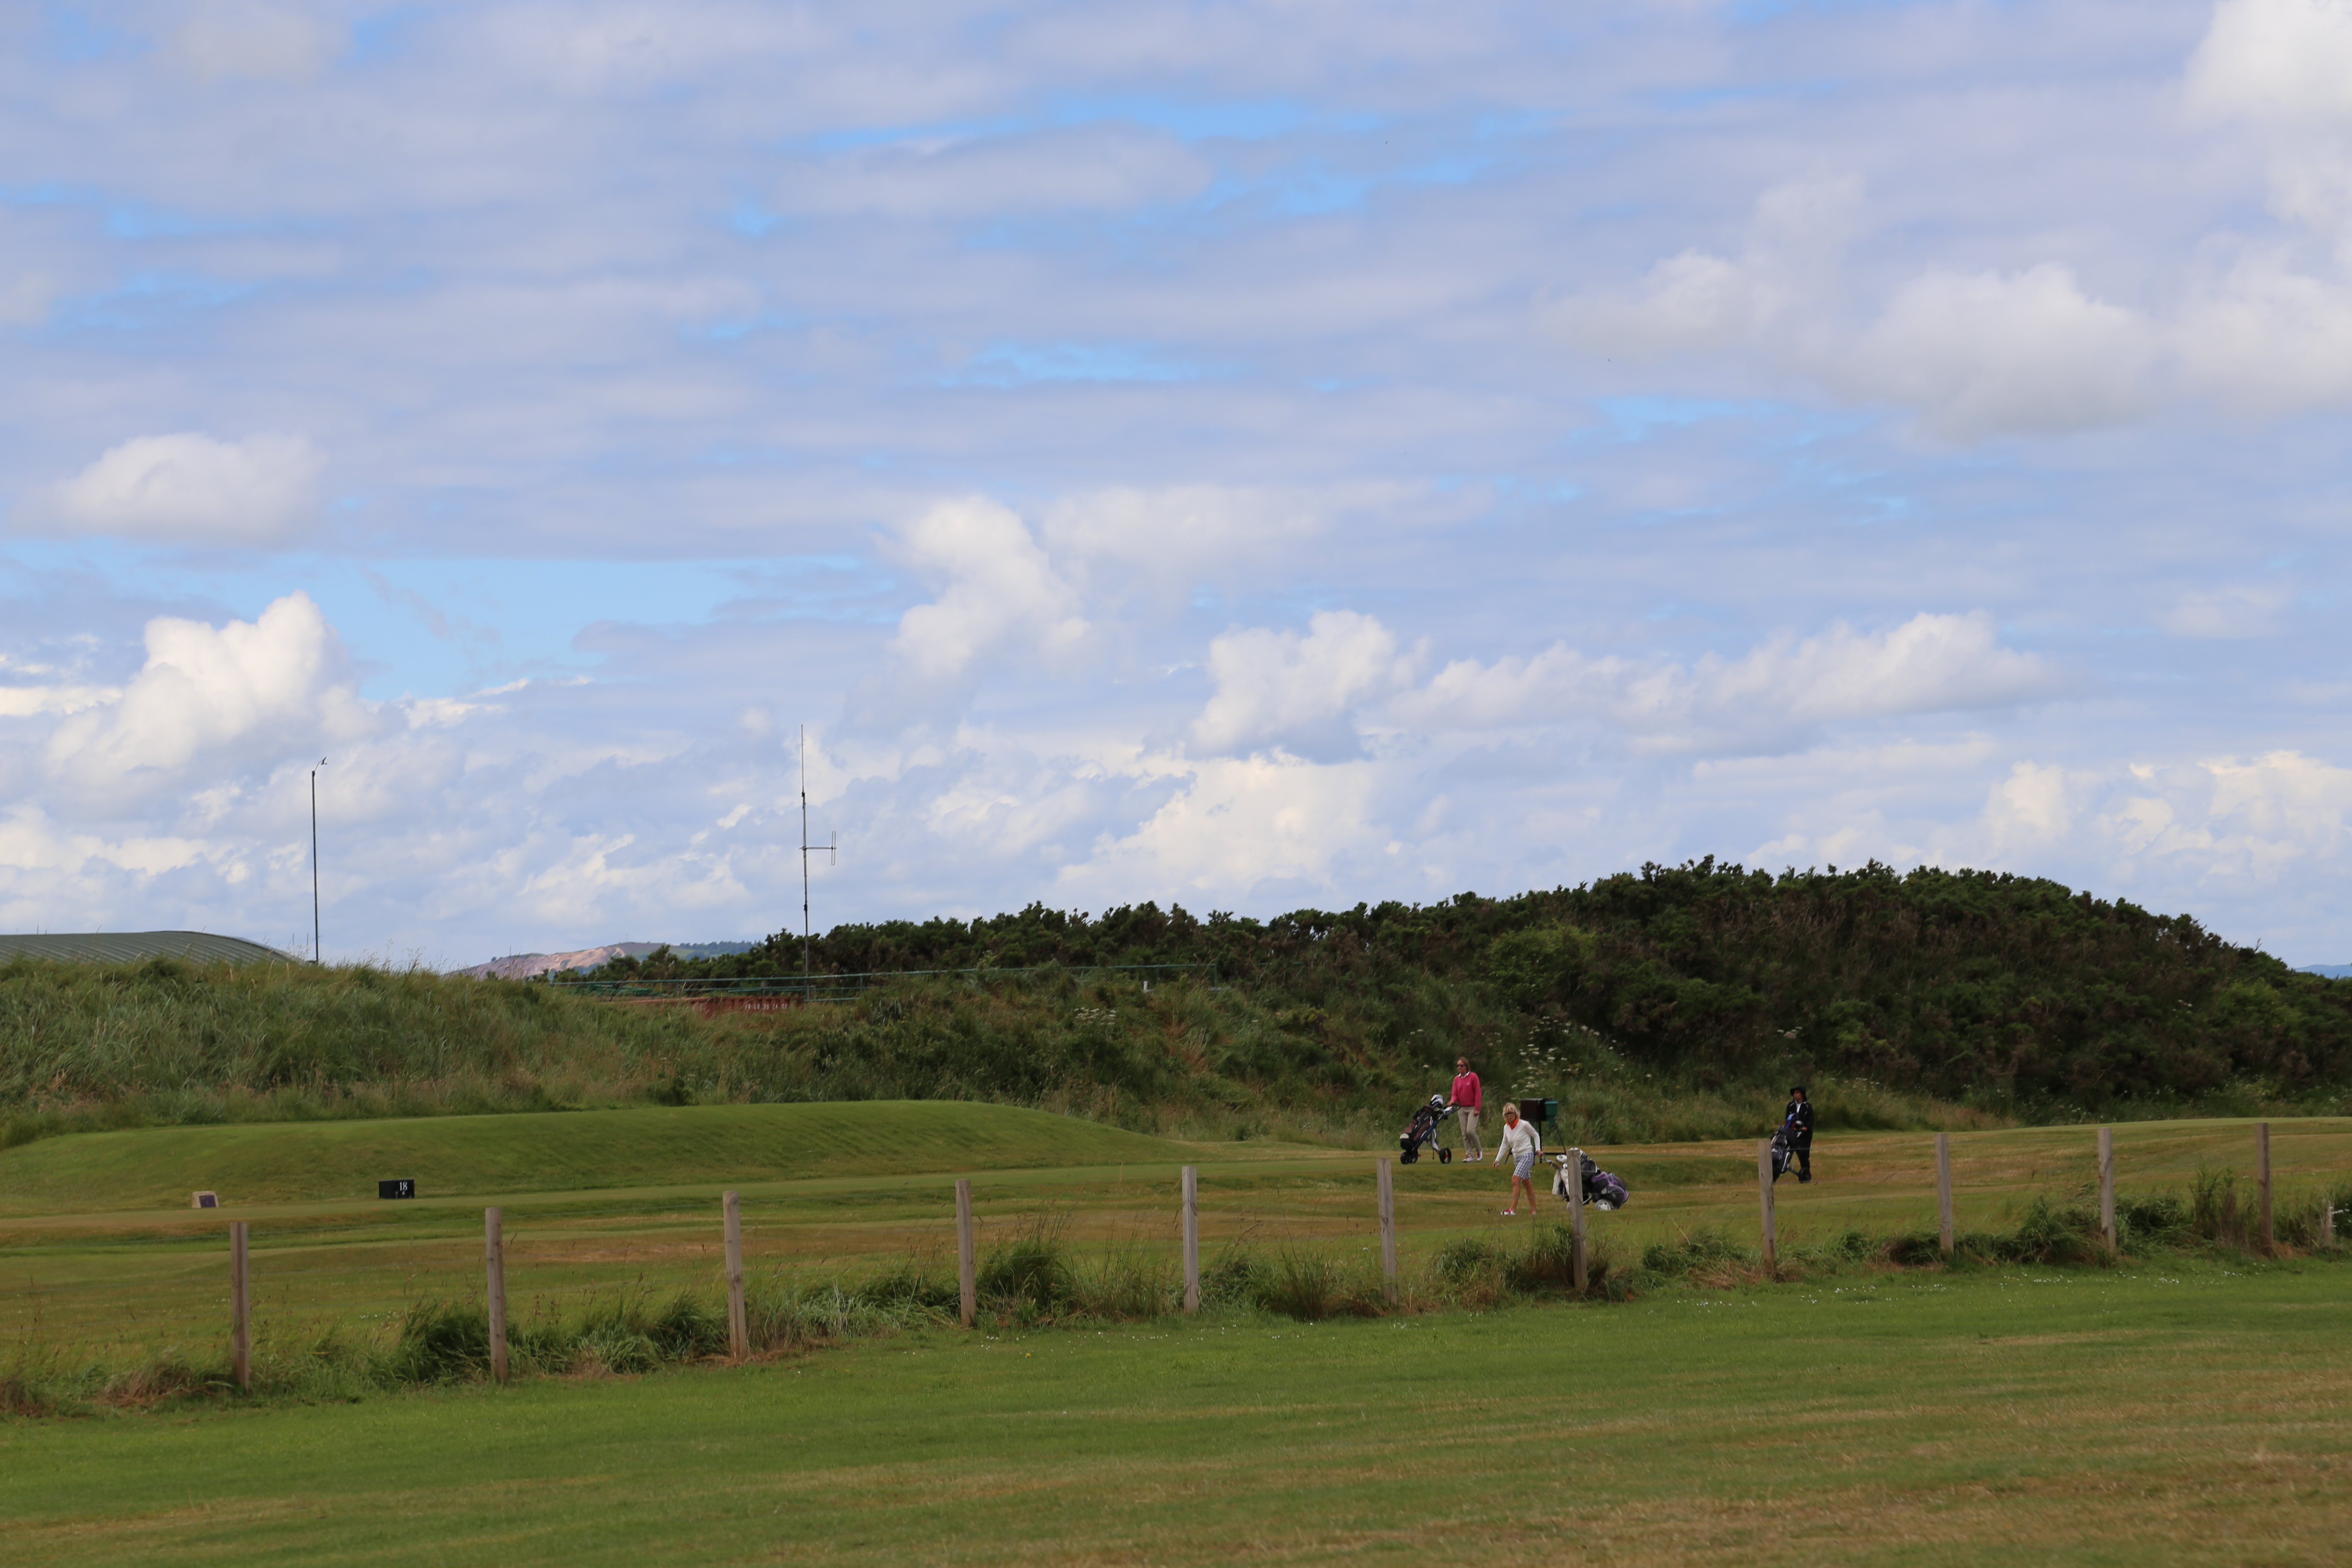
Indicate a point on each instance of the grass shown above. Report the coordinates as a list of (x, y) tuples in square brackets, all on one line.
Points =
[(100, 1292), (2190, 1415), (86, 1049), (267, 1162)]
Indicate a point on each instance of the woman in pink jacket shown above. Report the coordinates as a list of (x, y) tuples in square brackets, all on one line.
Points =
[(1465, 1108)]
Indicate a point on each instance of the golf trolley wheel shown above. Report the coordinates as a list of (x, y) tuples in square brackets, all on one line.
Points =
[(1409, 1155), (1445, 1156)]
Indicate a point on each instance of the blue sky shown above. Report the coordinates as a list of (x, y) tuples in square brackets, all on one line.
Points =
[(1243, 455)]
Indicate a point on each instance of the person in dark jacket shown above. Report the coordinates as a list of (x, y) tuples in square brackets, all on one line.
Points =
[(1799, 1119)]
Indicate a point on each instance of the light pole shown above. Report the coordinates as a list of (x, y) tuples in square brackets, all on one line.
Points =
[(314, 861)]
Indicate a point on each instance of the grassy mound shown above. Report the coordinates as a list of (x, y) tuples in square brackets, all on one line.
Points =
[(652, 1146)]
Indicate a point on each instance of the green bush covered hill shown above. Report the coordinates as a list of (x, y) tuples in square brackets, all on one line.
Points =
[(1673, 1003), (1977, 987)]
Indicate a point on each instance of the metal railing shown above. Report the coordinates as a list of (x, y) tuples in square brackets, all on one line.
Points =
[(842, 987)]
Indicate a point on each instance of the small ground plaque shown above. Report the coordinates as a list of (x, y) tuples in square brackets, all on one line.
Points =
[(204, 1201), (398, 1187)]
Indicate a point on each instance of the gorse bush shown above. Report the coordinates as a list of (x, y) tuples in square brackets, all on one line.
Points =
[(2013, 993)]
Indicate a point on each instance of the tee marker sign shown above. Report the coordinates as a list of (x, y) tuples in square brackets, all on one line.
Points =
[(398, 1187)]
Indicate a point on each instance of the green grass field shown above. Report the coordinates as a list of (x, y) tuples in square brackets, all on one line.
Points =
[(93, 1265), (2198, 1415), (2172, 1410)]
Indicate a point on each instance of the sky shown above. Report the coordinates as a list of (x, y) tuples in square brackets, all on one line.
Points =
[(1244, 454)]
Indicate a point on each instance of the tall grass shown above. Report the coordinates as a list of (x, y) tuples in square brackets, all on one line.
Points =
[(86, 1047)]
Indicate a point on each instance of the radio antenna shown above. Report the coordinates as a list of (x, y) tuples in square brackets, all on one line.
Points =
[(314, 861), (832, 848)]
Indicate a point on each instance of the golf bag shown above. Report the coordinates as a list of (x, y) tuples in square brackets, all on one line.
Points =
[(1601, 1190), (1423, 1130), (1784, 1153)]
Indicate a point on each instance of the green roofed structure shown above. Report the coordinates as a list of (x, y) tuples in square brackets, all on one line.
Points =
[(136, 946)]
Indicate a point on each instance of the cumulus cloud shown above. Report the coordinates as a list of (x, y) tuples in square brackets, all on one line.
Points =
[(190, 489), (1001, 598), (1991, 353), (1778, 694), (1264, 820), (1280, 689), (2289, 60), (243, 696)]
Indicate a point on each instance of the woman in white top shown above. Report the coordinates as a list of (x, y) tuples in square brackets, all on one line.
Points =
[(1519, 1147)]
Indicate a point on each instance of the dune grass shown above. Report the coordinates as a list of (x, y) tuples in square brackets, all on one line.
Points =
[(2192, 1416)]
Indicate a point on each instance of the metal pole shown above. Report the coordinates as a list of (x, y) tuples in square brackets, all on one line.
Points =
[(314, 861), (804, 883)]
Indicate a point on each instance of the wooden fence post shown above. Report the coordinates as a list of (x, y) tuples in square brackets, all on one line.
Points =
[(2107, 1188), (1575, 1173), (967, 1279), (739, 1329), (494, 1254), (1944, 1190), (1388, 1230), (2263, 1178), (1764, 1199), (240, 1307), (2328, 1217), (1192, 1239)]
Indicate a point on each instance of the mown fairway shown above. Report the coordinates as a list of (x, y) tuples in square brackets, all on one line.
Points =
[(2189, 1415), (598, 1201)]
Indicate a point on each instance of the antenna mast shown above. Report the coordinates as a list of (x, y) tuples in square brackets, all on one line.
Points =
[(832, 856), (314, 861)]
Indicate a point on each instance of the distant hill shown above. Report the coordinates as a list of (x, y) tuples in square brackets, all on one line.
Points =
[(2330, 971), (530, 965)]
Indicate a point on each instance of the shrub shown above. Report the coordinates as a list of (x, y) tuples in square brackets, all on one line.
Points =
[(1307, 1284), (1029, 1270)]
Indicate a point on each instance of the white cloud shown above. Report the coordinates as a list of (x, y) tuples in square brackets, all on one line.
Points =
[(1992, 353), (1781, 691), (1167, 541), (1237, 823), (192, 489), (241, 697), (2276, 59), (1298, 693), (1003, 596)]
